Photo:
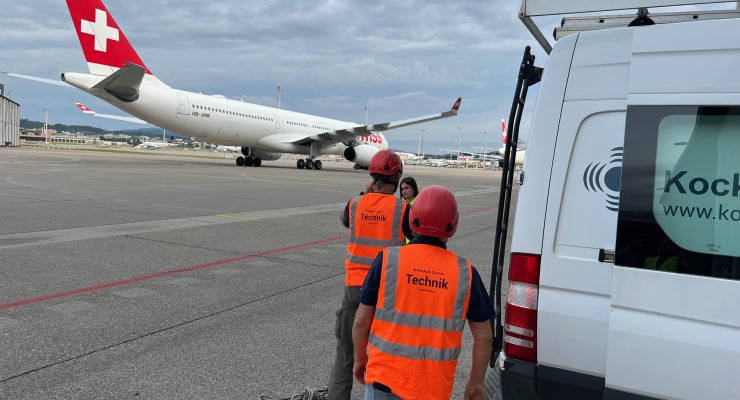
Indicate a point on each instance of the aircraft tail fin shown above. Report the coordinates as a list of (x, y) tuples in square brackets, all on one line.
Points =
[(104, 45), (85, 109), (503, 130)]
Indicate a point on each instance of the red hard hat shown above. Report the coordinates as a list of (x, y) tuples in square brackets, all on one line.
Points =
[(385, 162), (434, 213)]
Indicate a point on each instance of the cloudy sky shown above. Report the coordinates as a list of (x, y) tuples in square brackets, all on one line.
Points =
[(401, 58)]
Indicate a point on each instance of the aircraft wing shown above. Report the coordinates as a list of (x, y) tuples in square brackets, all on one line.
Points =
[(88, 110), (349, 136)]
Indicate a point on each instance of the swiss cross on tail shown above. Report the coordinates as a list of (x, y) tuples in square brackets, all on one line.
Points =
[(84, 108), (103, 43), (456, 106)]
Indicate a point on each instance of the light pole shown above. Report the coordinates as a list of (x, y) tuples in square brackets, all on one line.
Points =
[(458, 143), (485, 151), (46, 124), (421, 132), (279, 92), (365, 114)]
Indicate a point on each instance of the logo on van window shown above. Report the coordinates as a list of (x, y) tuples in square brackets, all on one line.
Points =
[(605, 178)]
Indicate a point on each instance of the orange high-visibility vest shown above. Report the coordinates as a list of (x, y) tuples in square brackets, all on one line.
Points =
[(416, 335), (375, 222)]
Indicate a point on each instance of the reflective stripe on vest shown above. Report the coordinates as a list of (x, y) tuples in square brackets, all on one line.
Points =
[(416, 353), (397, 214), (366, 241), (389, 314)]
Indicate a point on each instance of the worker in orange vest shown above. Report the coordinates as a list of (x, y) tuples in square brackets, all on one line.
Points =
[(376, 220), (413, 306)]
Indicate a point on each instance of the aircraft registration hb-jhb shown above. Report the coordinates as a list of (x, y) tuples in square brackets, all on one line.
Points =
[(119, 77)]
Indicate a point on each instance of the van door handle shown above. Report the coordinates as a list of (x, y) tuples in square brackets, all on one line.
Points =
[(606, 256)]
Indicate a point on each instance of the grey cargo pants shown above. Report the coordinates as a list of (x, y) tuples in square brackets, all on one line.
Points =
[(340, 382)]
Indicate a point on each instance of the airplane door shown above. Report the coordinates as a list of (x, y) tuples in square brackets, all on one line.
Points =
[(183, 107), (277, 121)]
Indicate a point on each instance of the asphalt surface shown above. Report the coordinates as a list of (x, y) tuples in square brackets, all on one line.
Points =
[(159, 276)]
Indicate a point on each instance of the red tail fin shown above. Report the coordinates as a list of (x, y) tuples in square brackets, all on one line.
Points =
[(503, 130), (84, 108), (105, 46)]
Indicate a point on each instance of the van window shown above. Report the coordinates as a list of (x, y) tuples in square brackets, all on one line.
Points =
[(679, 205)]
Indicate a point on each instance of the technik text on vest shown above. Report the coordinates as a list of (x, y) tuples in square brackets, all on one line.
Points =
[(425, 281), (373, 218)]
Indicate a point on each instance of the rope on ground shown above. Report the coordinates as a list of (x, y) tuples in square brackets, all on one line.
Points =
[(307, 394)]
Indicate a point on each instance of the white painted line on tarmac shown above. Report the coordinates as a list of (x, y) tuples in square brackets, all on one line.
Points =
[(94, 232)]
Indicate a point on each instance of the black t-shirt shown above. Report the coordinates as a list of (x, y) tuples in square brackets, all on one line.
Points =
[(479, 308)]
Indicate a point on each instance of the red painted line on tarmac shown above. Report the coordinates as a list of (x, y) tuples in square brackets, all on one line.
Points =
[(78, 291), (75, 292)]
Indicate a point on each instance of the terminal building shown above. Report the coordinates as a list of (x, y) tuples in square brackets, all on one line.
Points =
[(10, 121)]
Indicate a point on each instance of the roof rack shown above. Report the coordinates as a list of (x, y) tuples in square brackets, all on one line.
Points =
[(538, 8)]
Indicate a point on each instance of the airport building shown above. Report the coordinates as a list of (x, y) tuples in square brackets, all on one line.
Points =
[(10, 120)]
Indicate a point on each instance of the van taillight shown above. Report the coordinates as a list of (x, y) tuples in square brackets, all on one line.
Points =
[(520, 328)]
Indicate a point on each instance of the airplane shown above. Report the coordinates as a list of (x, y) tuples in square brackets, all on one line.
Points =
[(228, 149), (151, 146), (87, 110), (119, 77), (521, 147), (409, 156)]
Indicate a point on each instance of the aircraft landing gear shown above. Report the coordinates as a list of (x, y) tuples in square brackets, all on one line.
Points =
[(309, 163), (248, 161)]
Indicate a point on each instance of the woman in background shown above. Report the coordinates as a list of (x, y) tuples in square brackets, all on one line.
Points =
[(409, 191)]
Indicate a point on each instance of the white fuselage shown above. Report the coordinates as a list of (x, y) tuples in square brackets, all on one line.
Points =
[(216, 119)]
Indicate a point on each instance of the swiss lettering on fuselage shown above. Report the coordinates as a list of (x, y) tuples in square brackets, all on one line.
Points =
[(375, 138)]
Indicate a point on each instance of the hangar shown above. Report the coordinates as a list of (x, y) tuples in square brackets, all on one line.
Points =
[(10, 123)]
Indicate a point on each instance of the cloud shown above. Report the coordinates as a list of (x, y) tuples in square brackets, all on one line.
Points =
[(402, 59)]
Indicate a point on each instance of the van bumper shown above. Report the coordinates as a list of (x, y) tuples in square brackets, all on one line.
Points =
[(521, 380)]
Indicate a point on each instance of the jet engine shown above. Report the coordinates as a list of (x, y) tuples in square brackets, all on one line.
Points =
[(361, 154)]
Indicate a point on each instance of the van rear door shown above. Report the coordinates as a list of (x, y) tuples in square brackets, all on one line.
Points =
[(674, 325)]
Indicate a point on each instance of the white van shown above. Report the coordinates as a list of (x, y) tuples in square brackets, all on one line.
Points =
[(624, 279)]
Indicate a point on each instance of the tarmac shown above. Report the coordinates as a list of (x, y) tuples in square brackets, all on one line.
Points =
[(160, 276)]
